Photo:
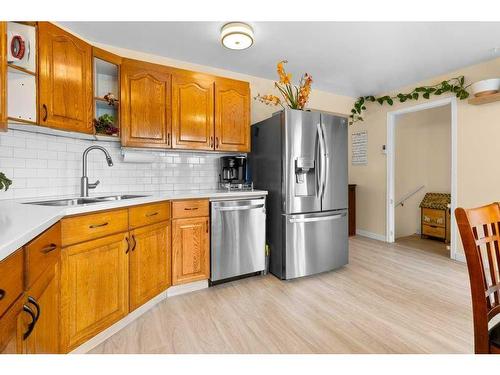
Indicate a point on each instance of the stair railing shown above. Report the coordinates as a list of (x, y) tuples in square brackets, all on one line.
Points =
[(408, 195)]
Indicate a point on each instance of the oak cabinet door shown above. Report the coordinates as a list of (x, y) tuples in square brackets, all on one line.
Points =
[(149, 262), (193, 112), (190, 250), (232, 116), (44, 301), (94, 287), (65, 80), (145, 105), (10, 342), (3, 76)]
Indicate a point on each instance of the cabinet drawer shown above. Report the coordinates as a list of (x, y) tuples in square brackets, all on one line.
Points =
[(190, 208), (434, 231), (88, 227), (434, 217), (149, 214), (11, 280), (43, 252)]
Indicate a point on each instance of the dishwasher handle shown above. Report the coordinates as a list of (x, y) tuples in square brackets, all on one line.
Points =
[(240, 208)]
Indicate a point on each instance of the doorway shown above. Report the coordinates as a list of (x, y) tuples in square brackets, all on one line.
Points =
[(423, 174)]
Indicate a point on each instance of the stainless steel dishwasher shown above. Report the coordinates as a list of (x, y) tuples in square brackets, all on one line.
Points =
[(238, 237)]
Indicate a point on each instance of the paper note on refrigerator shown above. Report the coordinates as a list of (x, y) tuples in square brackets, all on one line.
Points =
[(360, 148)]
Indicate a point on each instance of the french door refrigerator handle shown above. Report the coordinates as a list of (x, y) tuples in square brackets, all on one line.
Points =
[(324, 164), (313, 219), (317, 153), (322, 152)]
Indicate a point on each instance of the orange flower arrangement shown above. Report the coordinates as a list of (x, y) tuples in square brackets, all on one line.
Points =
[(295, 97)]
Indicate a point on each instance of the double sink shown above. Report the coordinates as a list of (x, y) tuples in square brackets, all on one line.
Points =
[(86, 200)]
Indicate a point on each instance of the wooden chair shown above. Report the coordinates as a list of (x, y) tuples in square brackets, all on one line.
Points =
[(480, 232)]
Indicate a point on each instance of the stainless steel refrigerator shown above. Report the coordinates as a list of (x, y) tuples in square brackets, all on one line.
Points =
[(300, 157)]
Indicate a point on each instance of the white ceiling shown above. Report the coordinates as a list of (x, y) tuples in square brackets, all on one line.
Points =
[(349, 58)]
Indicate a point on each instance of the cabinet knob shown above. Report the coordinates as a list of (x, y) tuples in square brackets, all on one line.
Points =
[(2, 294)]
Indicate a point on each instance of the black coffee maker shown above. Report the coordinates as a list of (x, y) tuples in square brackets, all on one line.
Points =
[(233, 169)]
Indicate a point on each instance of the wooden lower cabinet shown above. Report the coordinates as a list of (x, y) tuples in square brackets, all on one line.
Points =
[(95, 287), (43, 300), (190, 250), (149, 262), (8, 327)]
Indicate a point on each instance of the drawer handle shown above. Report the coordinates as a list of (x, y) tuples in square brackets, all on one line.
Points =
[(49, 248), (190, 208), (152, 214), (98, 225), (2, 294)]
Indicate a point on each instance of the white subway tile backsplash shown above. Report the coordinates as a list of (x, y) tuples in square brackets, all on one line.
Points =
[(47, 165)]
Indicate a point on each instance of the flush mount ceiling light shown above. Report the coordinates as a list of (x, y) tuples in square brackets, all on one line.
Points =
[(236, 35)]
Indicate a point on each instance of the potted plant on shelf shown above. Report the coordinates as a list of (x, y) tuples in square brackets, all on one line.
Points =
[(105, 125), (4, 182), (294, 97)]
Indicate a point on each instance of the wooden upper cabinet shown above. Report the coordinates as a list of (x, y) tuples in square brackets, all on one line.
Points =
[(190, 250), (94, 288), (3, 76), (145, 105), (149, 262), (65, 80), (232, 115), (193, 111)]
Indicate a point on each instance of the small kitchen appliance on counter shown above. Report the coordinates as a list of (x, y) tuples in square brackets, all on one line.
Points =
[(233, 173)]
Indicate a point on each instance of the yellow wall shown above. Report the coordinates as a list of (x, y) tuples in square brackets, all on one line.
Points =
[(422, 157), (477, 151)]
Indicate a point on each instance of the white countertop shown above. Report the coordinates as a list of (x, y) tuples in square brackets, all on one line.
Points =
[(20, 223)]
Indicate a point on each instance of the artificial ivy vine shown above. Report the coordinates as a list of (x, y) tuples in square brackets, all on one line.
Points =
[(454, 85)]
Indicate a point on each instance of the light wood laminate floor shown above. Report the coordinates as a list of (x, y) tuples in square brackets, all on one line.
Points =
[(430, 245), (389, 299)]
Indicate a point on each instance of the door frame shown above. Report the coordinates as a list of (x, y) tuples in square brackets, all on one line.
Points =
[(390, 147)]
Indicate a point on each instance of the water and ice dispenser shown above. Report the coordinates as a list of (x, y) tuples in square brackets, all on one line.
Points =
[(305, 176)]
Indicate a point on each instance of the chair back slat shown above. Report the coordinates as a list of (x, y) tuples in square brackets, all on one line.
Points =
[(479, 231)]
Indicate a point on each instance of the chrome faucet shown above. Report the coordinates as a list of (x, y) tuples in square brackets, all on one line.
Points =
[(84, 184)]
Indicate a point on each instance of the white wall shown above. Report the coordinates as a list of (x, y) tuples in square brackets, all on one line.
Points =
[(422, 157), (48, 165)]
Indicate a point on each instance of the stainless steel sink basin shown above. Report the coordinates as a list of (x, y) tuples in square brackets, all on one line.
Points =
[(66, 202), (118, 197), (84, 201)]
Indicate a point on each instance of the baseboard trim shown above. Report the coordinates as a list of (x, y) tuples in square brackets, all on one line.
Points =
[(187, 288), (460, 257), (374, 236), (118, 326)]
